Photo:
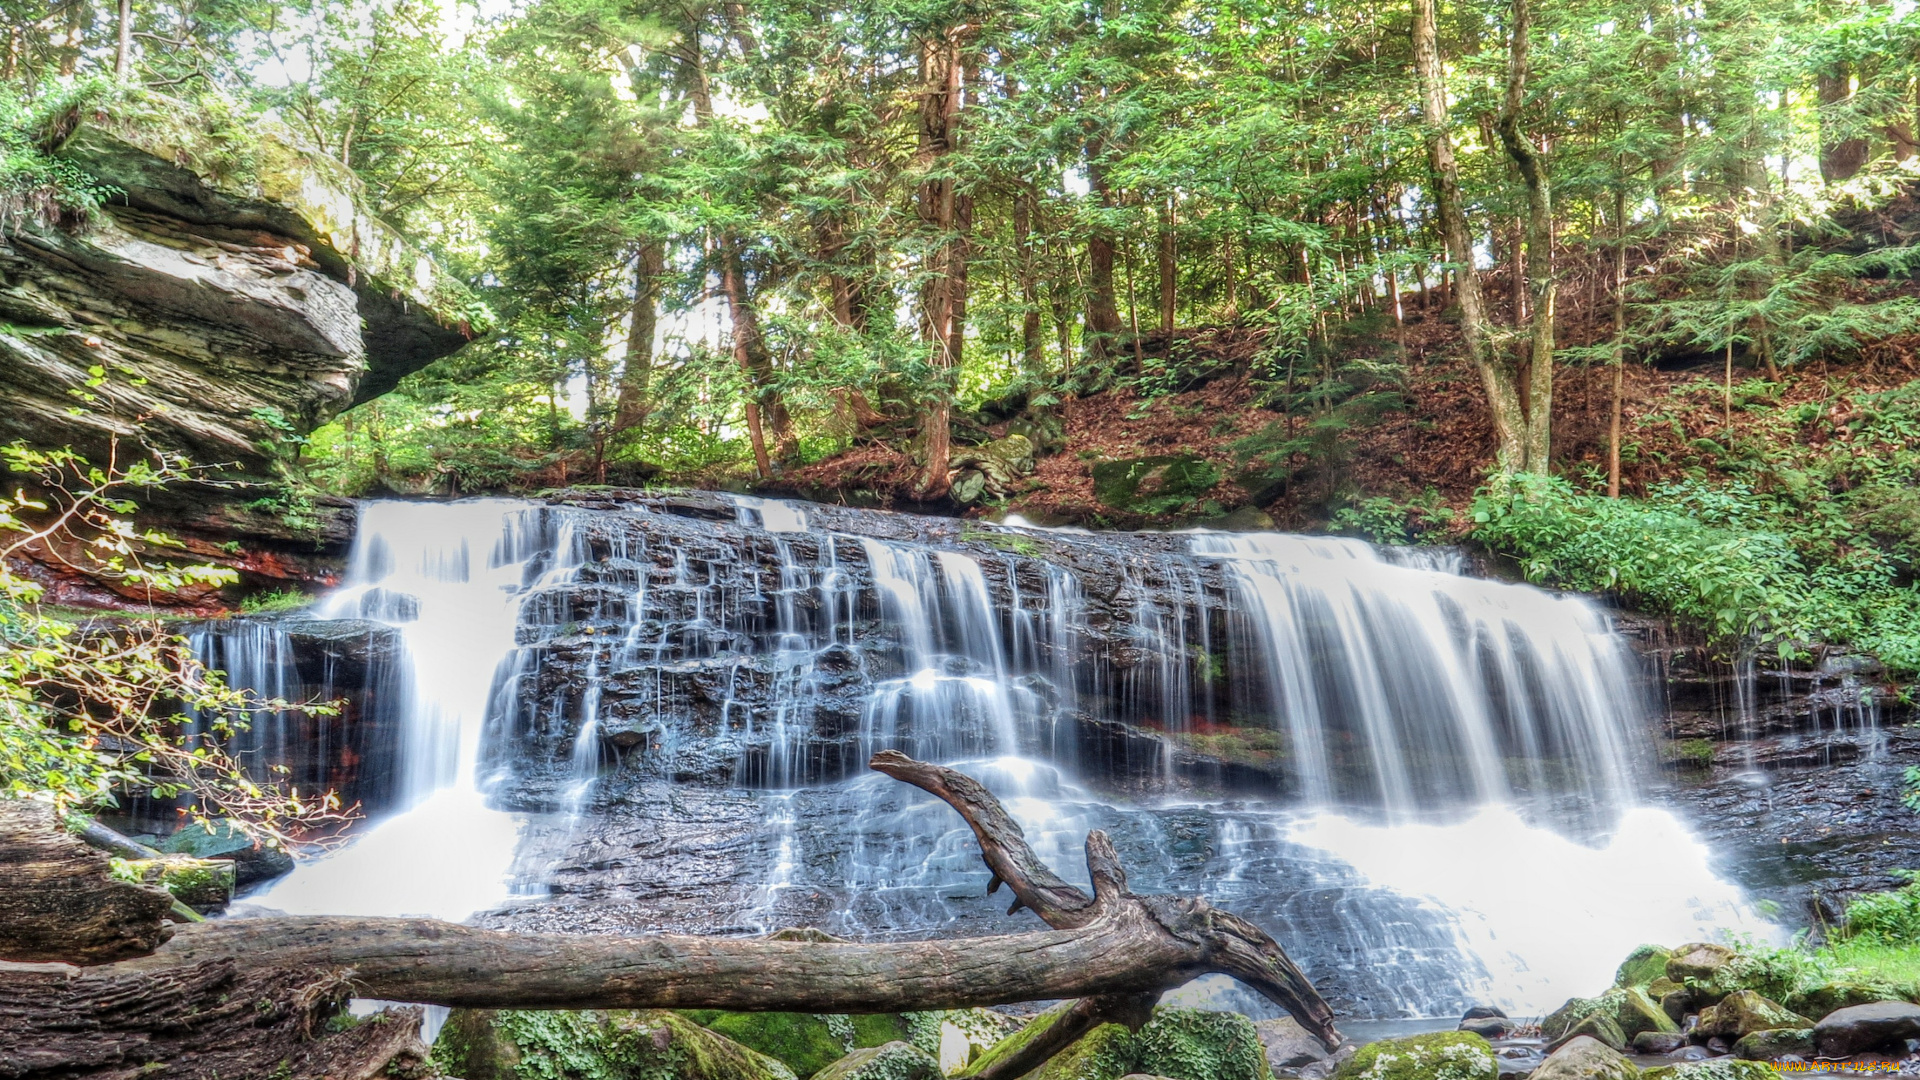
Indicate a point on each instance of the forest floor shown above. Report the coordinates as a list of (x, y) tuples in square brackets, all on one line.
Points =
[(1427, 439)]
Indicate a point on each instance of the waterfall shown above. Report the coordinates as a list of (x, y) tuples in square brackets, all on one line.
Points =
[(1337, 740), (449, 578)]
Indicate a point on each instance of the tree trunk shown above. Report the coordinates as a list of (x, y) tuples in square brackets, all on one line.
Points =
[(1032, 342), (1103, 307), (1619, 338), (1538, 260), (1842, 154), (123, 45), (241, 995), (1503, 399), (634, 401), (1168, 270), (57, 901), (945, 213), (746, 336)]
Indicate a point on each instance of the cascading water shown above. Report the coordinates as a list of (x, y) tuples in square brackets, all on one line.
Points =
[(1381, 731), (449, 578)]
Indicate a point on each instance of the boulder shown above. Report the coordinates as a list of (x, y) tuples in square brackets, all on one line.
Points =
[(1642, 966), (1744, 1012), (252, 860), (1658, 1042), (1677, 1004), (1775, 1044), (1489, 1027), (1583, 1058), (1636, 1012), (1661, 987), (205, 885), (480, 1044), (806, 1042), (1596, 1025), (1832, 997), (991, 470), (1287, 1044), (891, 1061), (1444, 1055), (1572, 1012), (1105, 1053), (1198, 1044), (1699, 961), (1859, 1028)]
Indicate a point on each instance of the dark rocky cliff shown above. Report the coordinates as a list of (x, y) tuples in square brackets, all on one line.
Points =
[(233, 294)]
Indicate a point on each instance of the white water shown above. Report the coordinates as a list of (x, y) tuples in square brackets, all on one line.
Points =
[(449, 577)]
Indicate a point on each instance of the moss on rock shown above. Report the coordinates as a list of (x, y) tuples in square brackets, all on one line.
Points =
[(889, 1061), (1444, 1055), (651, 1044), (1717, 1069), (1744, 1012), (806, 1042), (1195, 1044), (1636, 1012), (1775, 1044), (1642, 966)]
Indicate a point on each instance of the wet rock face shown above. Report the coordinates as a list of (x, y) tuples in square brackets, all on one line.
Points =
[(1792, 772), (717, 653)]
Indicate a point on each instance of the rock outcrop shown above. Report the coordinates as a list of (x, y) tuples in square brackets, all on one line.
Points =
[(232, 294)]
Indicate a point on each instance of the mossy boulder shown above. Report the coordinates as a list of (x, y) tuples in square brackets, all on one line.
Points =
[(653, 1044), (1661, 987), (1775, 1044), (1699, 961), (1832, 997), (809, 1042), (1636, 1012), (890, 1061), (1599, 1025), (1560, 1020), (1744, 1012), (1717, 1069), (252, 861), (202, 884), (1197, 1044), (1642, 966), (1182, 1044), (1105, 1053), (1585, 1059), (1154, 485), (1443, 1055)]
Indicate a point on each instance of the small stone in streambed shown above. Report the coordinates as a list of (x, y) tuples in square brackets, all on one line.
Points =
[(1860, 1028), (1775, 1045), (1658, 1042), (1488, 1027), (1585, 1058), (1288, 1045), (893, 1061)]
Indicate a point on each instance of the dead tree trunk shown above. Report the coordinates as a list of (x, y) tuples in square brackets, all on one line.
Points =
[(223, 995)]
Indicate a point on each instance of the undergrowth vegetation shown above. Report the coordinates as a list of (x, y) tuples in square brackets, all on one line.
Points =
[(1803, 528)]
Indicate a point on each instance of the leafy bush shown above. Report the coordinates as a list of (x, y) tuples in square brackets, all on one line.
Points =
[(1887, 918), (35, 185), (1743, 563)]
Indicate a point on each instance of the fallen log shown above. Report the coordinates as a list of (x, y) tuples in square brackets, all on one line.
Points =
[(223, 998)]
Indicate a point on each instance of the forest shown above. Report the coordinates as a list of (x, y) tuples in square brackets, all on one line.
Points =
[(1292, 449)]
